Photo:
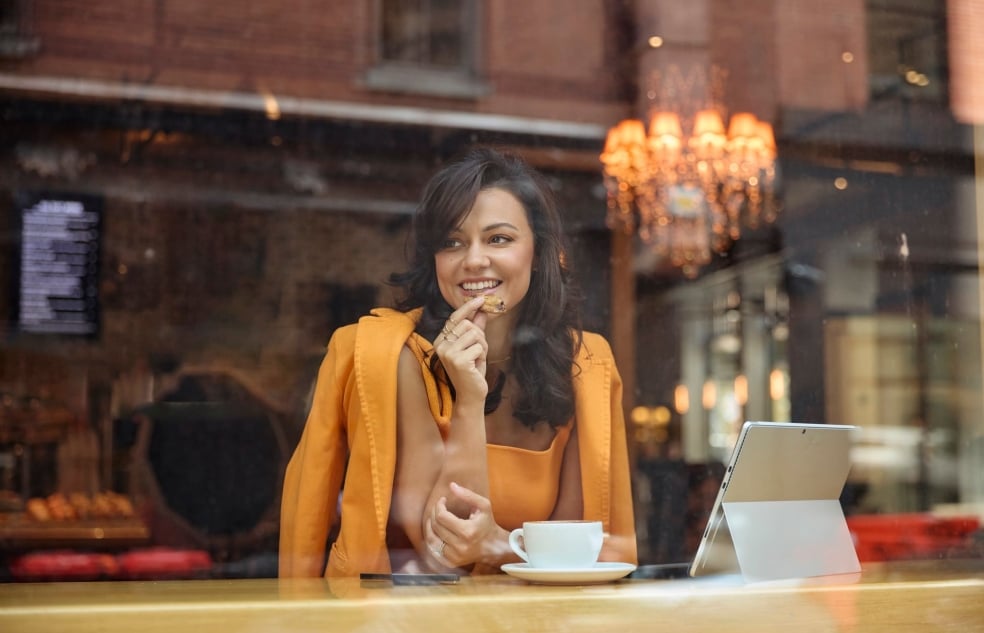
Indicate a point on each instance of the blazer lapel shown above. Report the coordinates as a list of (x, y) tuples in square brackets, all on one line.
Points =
[(593, 418), (378, 342)]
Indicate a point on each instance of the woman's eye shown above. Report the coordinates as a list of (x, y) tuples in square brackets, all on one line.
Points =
[(500, 239), (450, 243)]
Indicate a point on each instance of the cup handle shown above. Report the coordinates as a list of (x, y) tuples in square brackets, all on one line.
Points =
[(514, 543)]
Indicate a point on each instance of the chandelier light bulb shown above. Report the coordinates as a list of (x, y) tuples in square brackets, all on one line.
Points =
[(690, 196)]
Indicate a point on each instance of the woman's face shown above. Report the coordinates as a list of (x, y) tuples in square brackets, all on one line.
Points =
[(491, 252)]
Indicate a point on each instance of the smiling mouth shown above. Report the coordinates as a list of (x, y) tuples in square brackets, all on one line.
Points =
[(482, 287)]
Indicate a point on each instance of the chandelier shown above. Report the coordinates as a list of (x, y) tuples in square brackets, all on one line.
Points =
[(690, 196)]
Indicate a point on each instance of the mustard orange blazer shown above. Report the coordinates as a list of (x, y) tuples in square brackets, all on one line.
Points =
[(351, 433)]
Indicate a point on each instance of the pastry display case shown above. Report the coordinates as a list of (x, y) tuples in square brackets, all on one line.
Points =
[(103, 521), (45, 533)]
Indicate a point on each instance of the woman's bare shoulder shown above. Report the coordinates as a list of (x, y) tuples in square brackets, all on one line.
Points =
[(409, 370)]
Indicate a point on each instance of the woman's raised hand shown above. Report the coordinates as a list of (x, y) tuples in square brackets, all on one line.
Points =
[(463, 351)]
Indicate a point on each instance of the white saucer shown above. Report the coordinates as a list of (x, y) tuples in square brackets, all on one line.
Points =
[(601, 572)]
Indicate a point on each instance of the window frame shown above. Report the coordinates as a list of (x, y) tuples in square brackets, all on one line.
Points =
[(463, 82), (894, 85), (17, 40)]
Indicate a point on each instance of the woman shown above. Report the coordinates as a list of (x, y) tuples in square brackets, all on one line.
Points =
[(477, 406)]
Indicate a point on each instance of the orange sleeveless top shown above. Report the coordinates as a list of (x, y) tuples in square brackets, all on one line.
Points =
[(524, 484)]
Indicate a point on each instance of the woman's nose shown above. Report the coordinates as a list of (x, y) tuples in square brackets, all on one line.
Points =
[(476, 257)]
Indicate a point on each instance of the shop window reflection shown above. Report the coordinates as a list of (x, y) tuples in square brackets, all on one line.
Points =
[(17, 39), (733, 358), (428, 47), (879, 373), (907, 49), (432, 33), (258, 181)]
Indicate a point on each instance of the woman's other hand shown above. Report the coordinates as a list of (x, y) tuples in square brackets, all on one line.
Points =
[(459, 542)]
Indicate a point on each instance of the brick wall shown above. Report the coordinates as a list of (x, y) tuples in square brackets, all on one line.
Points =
[(543, 59), (812, 36)]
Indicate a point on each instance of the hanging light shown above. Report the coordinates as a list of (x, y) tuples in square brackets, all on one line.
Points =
[(741, 389), (681, 399), (690, 196), (708, 397), (777, 384)]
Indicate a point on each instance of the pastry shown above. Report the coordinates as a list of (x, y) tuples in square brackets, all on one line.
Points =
[(37, 509), (493, 304)]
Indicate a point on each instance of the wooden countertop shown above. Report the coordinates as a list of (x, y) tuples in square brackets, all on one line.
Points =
[(897, 597)]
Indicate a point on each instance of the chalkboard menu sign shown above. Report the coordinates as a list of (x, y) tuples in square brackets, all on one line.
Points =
[(59, 263)]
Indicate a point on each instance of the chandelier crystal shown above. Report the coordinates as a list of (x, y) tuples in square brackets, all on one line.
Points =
[(690, 196)]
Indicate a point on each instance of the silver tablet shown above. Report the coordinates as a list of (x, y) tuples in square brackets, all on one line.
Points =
[(777, 513)]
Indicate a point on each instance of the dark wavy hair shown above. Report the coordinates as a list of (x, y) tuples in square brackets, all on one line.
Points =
[(548, 327)]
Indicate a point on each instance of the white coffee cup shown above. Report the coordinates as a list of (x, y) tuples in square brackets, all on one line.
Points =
[(558, 544)]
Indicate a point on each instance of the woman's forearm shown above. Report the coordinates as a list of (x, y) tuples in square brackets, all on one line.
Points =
[(464, 456)]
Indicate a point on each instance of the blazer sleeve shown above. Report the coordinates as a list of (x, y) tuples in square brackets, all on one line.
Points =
[(621, 542), (312, 482)]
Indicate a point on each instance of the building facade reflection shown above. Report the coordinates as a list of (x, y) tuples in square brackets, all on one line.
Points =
[(256, 173)]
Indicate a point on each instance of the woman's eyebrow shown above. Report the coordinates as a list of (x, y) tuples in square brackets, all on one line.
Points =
[(486, 229), (499, 225)]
